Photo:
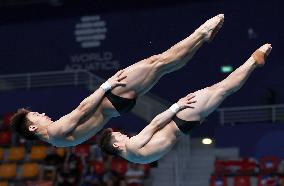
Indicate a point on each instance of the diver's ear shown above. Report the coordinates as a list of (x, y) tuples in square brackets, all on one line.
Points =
[(115, 145), (33, 128)]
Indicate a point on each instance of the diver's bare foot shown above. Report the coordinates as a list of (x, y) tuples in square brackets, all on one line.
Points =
[(211, 27), (261, 54)]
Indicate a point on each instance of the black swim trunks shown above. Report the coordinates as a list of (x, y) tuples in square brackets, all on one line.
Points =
[(185, 126), (122, 105)]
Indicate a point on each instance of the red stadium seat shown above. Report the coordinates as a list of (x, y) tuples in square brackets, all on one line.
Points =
[(5, 137), (6, 119), (119, 165), (269, 164), (242, 181), (82, 150), (218, 181), (228, 166), (219, 167), (147, 169), (249, 166), (99, 167), (238, 166), (266, 180)]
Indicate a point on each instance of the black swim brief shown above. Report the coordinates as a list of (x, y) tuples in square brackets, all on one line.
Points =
[(185, 126), (122, 105)]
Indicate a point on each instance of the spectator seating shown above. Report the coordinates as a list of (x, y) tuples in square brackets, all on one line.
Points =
[(4, 183), (99, 167), (38, 153), (240, 166), (6, 121), (1, 154), (267, 180), (268, 171), (24, 165), (29, 170), (218, 181), (82, 150), (8, 170), (241, 181), (16, 153), (269, 164), (119, 166), (147, 169), (5, 137), (60, 151), (39, 183)]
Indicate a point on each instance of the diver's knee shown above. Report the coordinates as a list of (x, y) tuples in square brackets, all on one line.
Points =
[(219, 89)]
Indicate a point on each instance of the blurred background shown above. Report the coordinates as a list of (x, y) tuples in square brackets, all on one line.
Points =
[(54, 53)]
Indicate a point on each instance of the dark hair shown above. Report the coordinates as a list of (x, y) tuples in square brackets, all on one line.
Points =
[(20, 123), (105, 142)]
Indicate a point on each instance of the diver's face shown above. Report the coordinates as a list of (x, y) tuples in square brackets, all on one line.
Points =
[(119, 137), (38, 120)]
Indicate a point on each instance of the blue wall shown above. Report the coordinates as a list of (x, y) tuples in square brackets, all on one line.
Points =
[(256, 140)]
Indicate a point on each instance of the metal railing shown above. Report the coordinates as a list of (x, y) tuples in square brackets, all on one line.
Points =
[(48, 79), (147, 107), (267, 113)]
